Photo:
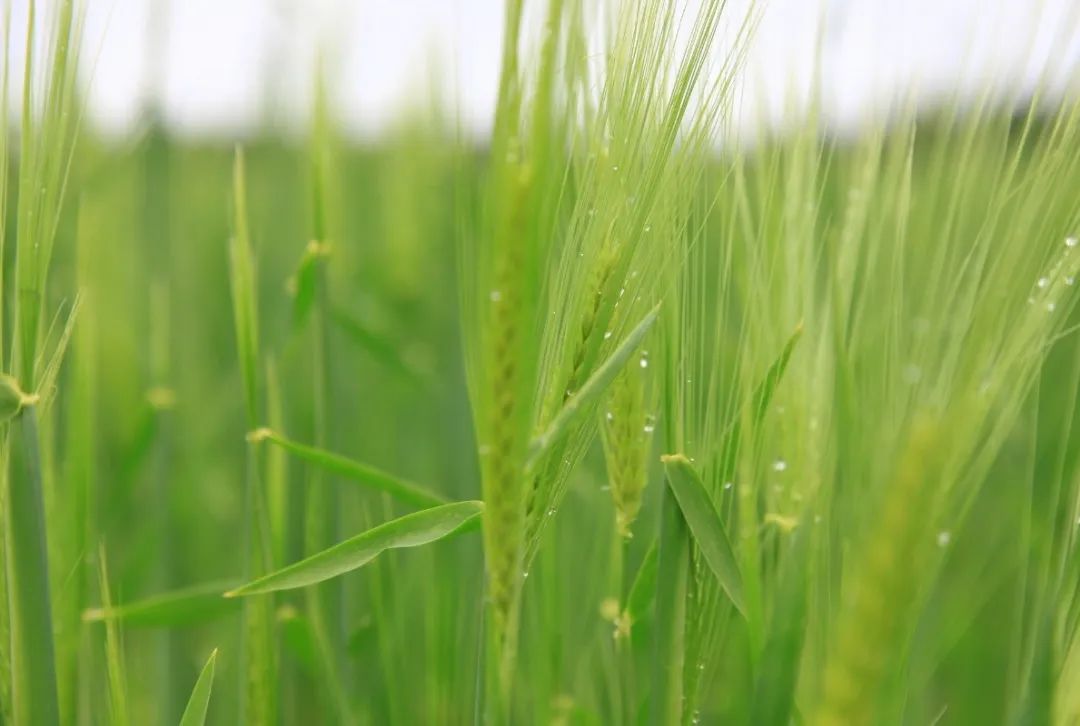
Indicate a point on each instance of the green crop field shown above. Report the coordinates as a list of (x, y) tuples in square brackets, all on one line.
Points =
[(609, 419)]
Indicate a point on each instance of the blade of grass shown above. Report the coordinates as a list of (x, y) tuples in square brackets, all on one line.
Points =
[(259, 704), (774, 691), (34, 693), (759, 406), (114, 651), (673, 565), (591, 391), (643, 590), (47, 383), (368, 476), (195, 712), (186, 606), (412, 530), (705, 525)]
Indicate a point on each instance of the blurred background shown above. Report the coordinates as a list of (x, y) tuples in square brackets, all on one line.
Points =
[(222, 67)]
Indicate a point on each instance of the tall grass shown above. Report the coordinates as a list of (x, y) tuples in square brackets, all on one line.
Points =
[(603, 421)]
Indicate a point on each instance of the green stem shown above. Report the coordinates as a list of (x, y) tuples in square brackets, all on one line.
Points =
[(259, 706), (618, 591), (325, 602), (33, 665), (671, 589)]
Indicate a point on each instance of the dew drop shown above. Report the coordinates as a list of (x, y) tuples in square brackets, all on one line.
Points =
[(609, 416), (1051, 306), (650, 424), (648, 228), (779, 465), (644, 359), (551, 512), (1070, 280), (943, 538), (1043, 282), (496, 295), (607, 334), (615, 167), (1071, 241), (728, 485)]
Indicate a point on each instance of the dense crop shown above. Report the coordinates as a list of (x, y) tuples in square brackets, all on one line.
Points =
[(604, 422)]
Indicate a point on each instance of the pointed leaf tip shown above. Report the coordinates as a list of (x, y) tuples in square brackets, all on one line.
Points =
[(706, 526)]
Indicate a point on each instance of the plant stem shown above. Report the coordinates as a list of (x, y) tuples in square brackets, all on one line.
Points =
[(671, 587), (33, 666)]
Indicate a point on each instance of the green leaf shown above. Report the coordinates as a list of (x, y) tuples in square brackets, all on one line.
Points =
[(591, 391), (303, 283), (242, 281), (368, 476), (186, 606), (1036, 705), (759, 406), (33, 669), (644, 587), (673, 574), (764, 392), (47, 383), (706, 526), (412, 530), (195, 712), (114, 652), (774, 691)]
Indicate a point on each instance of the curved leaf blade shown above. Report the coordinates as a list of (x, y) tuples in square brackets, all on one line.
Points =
[(195, 712), (412, 530), (186, 606), (591, 390), (705, 526), (759, 405), (369, 476)]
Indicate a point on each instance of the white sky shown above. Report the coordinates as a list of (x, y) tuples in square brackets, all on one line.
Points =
[(218, 65)]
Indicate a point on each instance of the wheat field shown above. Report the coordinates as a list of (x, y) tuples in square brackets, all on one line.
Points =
[(624, 415)]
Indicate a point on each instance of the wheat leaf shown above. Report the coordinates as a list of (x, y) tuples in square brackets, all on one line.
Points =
[(412, 530)]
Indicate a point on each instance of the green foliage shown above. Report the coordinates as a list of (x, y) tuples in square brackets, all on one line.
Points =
[(412, 530), (860, 351), (706, 527), (195, 712)]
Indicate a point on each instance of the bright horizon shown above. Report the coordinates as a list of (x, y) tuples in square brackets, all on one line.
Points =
[(217, 66)]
